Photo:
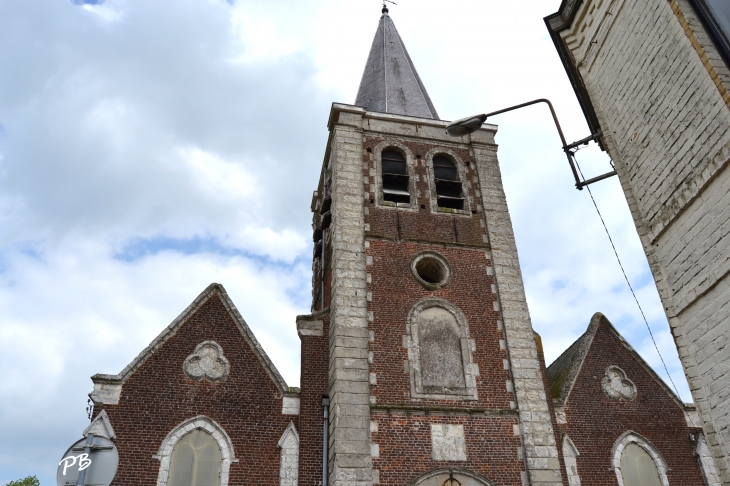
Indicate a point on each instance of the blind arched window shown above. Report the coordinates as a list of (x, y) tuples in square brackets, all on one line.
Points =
[(395, 177), (442, 364), (195, 461), (448, 186), (638, 467)]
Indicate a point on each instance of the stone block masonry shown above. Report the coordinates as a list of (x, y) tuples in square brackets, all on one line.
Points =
[(659, 90), (538, 437), (350, 462)]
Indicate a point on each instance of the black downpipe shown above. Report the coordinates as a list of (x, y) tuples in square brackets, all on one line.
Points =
[(325, 437)]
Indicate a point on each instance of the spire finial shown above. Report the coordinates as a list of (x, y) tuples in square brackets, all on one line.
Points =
[(385, 7)]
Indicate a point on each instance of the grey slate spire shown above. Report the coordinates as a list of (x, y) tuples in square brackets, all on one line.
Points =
[(390, 83)]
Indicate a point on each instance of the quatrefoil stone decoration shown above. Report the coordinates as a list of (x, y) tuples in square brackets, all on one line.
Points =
[(617, 386), (207, 362)]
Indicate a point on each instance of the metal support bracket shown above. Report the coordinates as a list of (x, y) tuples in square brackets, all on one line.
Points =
[(568, 149)]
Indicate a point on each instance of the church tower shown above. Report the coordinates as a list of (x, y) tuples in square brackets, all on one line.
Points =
[(419, 336)]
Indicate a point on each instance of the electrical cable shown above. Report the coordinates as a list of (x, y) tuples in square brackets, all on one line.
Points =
[(627, 281)]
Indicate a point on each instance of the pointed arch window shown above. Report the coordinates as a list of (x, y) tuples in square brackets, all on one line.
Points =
[(197, 452), (637, 462), (395, 177), (570, 458), (449, 193), (638, 468), (195, 461)]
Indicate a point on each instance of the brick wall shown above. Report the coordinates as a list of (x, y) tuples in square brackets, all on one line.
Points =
[(595, 421), (394, 292), (404, 440), (158, 396), (314, 379)]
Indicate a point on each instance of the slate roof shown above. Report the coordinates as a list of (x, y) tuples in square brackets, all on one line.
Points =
[(390, 83), (564, 370)]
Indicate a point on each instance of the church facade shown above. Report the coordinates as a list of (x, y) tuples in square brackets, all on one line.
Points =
[(419, 365)]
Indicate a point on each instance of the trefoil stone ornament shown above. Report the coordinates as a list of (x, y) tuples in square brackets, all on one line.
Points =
[(617, 386), (207, 362)]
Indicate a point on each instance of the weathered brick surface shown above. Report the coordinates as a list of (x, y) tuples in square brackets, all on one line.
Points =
[(158, 396), (394, 292), (659, 90), (404, 440), (314, 380), (595, 421)]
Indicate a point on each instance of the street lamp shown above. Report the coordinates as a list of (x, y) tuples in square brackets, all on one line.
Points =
[(471, 124)]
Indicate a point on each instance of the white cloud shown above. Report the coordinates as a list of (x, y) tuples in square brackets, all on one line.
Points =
[(110, 12), (148, 149)]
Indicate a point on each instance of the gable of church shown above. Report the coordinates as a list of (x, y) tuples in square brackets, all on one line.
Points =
[(205, 372), (608, 398)]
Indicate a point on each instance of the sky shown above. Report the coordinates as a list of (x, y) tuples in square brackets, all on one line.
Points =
[(148, 149)]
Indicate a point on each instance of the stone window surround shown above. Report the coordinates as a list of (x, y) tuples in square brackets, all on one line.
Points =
[(431, 254), (410, 167), (201, 422), (289, 469), (463, 178), (707, 462), (570, 458), (630, 437), (467, 348)]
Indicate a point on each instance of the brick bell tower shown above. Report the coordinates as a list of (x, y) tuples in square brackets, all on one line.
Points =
[(419, 334)]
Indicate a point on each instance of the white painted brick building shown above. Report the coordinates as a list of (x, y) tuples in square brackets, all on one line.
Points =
[(652, 76)]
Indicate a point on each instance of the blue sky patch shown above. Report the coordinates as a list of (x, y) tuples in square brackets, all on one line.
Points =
[(140, 248)]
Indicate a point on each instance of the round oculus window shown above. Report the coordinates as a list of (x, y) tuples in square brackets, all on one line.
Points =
[(431, 270)]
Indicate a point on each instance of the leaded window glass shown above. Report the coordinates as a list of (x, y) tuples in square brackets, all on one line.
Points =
[(638, 467), (195, 461)]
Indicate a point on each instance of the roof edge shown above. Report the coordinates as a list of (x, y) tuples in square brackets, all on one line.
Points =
[(555, 23), (210, 291), (378, 115), (577, 364)]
